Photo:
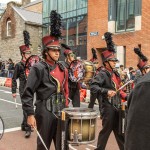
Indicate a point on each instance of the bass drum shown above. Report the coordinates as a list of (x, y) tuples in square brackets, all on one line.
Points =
[(30, 62), (81, 70)]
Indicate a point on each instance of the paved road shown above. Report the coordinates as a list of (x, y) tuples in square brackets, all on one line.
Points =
[(13, 138)]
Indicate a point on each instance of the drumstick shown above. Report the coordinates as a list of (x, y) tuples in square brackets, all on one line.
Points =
[(40, 138), (124, 85), (63, 118), (70, 103), (15, 102)]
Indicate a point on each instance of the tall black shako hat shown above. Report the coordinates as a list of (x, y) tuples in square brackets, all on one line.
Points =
[(24, 48), (52, 40), (143, 59), (109, 54)]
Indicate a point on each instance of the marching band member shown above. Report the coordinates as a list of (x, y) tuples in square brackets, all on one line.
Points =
[(19, 72), (142, 65), (49, 80), (74, 87), (138, 121), (106, 83), (94, 96), (136, 136)]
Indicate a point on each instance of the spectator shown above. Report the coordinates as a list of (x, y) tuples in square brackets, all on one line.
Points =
[(121, 68), (10, 68), (3, 69), (130, 72)]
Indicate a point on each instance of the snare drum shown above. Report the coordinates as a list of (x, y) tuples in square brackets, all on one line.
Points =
[(81, 70), (30, 62), (82, 125)]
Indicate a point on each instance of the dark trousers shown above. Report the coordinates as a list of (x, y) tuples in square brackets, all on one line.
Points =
[(110, 122), (24, 124), (46, 125), (74, 95), (93, 97)]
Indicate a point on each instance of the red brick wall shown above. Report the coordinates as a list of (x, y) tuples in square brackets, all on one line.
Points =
[(98, 21)]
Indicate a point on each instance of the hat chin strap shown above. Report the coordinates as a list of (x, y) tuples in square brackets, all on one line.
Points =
[(24, 57), (110, 66), (51, 57), (143, 71)]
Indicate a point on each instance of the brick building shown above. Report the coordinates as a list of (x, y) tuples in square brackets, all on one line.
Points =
[(15, 19), (128, 20)]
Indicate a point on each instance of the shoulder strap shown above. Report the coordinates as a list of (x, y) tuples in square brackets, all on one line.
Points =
[(61, 65)]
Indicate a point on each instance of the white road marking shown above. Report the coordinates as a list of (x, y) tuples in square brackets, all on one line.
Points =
[(10, 102), (7, 92), (72, 147), (12, 129), (92, 145)]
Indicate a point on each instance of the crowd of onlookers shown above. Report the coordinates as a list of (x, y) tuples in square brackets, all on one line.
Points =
[(128, 74), (7, 68)]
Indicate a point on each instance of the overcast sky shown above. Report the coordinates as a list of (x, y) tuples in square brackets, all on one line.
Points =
[(6, 1)]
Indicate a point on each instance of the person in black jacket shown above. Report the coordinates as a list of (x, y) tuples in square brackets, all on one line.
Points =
[(106, 83), (143, 65), (74, 87), (10, 68), (19, 73), (137, 133), (49, 80)]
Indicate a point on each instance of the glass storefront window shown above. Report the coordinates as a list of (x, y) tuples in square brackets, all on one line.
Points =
[(125, 15), (74, 22), (53, 5), (62, 6)]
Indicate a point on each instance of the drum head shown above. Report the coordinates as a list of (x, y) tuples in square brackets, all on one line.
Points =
[(30, 62), (76, 71), (78, 111)]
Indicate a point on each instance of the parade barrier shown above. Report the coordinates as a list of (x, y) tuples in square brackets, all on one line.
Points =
[(8, 82), (87, 99), (2, 81), (82, 95)]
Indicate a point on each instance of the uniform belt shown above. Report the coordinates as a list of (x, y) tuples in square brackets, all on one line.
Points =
[(55, 103)]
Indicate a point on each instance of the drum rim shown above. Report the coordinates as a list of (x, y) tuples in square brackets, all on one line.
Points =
[(77, 113)]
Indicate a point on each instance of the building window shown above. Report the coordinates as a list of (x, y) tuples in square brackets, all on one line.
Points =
[(125, 15), (121, 54), (8, 27)]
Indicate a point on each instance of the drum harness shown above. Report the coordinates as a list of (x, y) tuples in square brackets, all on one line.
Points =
[(56, 102)]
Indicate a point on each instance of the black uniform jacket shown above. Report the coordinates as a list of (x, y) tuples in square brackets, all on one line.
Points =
[(138, 118), (102, 82), (19, 73), (39, 81)]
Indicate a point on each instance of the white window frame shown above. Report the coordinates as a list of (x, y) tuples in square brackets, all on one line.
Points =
[(8, 29)]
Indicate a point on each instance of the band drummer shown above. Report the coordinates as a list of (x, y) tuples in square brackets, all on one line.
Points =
[(106, 83), (19, 72), (49, 80), (74, 87)]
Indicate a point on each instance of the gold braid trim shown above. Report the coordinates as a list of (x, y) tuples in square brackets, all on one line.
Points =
[(58, 84)]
